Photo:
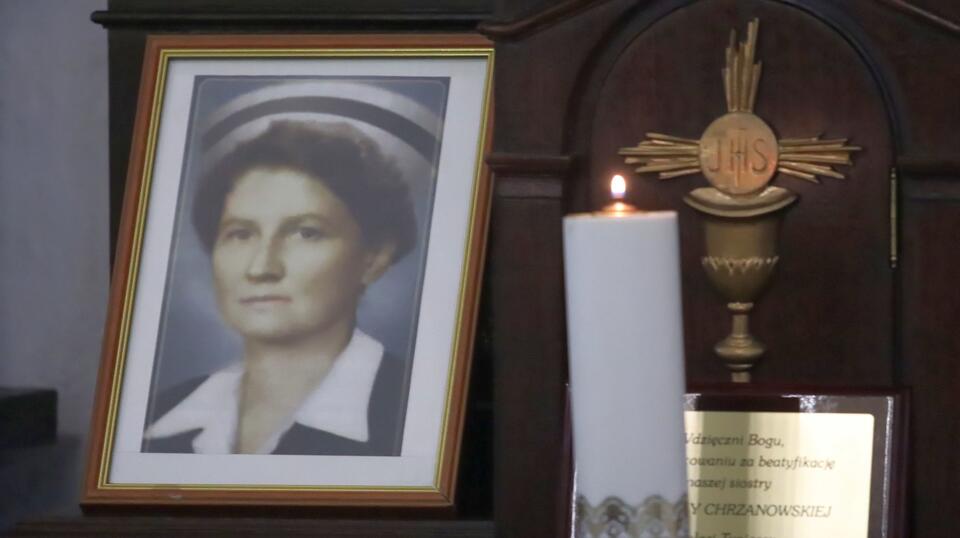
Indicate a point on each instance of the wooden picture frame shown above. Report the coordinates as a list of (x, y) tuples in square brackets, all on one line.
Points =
[(255, 161)]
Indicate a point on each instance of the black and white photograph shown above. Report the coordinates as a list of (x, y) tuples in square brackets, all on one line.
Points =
[(291, 306), (301, 214)]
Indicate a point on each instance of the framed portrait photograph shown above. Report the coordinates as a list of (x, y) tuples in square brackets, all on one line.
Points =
[(296, 281)]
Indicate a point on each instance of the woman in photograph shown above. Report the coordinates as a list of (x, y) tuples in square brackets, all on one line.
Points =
[(298, 222)]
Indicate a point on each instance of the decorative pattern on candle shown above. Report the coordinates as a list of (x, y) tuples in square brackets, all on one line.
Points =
[(655, 517)]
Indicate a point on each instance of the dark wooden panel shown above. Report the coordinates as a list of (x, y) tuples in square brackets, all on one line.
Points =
[(294, 15), (931, 347), (475, 482), (519, 20), (294, 23), (526, 284), (911, 166), (921, 58), (239, 527), (514, 10), (931, 189), (537, 76), (329, 6), (942, 9), (914, 53), (125, 50), (936, 13), (667, 79)]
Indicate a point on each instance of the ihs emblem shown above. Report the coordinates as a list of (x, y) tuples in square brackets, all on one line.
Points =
[(739, 154)]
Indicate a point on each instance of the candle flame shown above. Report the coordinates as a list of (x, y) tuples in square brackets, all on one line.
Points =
[(618, 187)]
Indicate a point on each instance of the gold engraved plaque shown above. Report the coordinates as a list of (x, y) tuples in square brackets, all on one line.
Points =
[(738, 153), (779, 475)]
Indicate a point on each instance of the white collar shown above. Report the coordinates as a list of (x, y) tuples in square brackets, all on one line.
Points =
[(337, 405)]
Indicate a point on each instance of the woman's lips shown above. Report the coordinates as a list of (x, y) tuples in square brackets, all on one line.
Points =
[(264, 299)]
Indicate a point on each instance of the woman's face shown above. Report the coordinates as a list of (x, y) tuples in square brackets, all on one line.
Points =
[(289, 259)]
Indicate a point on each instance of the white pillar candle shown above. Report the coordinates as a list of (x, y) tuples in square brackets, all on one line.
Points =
[(625, 337)]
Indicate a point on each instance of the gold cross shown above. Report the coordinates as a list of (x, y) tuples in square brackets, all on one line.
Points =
[(739, 153)]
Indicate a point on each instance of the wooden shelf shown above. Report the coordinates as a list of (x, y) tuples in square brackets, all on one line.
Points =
[(186, 527)]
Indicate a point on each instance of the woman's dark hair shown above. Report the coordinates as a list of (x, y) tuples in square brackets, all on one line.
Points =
[(347, 161)]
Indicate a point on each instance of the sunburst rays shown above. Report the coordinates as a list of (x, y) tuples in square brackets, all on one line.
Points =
[(807, 158), (741, 76), (803, 158), (669, 156)]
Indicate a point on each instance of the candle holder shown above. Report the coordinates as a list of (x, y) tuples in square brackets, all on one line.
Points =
[(739, 154)]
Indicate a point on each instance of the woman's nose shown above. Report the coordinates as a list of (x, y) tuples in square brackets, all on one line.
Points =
[(265, 262)]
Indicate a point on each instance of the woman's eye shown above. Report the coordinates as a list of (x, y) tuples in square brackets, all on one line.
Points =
[(310, 233), (237, 234)]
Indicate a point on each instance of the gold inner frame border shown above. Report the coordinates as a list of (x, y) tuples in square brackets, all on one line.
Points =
[(129, 296)]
